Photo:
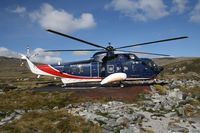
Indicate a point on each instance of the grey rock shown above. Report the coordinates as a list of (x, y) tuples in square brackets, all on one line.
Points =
[(2, 113), (189, 97), (107, 129), (122, 121), (56, 107), (138, 117), (180, 111), (112, 123), (101, 119), (2, 123), (9, 118), (19, 111), (167, 107), (131, 129), (157, 107), (113, 116), (177, 129)]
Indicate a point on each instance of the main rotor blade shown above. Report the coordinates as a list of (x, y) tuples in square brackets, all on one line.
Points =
[(68, 50), (74, 38), (146, 43), (147, 53)]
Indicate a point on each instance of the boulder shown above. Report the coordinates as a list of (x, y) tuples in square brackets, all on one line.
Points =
[(180, 111), (174, 128), (131, 129), (123, 121)]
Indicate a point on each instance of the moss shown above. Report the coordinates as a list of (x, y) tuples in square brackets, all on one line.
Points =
[(160, 89), (189, 110)]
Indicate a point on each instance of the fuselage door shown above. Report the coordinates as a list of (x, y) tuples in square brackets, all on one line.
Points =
[(95, 69)]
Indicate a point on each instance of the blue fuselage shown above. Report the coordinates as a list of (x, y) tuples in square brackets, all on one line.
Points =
[(100, 66)]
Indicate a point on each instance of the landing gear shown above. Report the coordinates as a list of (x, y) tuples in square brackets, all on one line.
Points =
[(121, 85), (64, 85)]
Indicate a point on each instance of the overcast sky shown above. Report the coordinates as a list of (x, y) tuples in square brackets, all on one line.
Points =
[(121, 22)]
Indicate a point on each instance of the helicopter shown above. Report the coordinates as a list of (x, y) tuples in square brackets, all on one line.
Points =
[(108, 65)]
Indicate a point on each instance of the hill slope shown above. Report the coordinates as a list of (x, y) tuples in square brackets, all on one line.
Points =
[(12, 73), (188, 68)]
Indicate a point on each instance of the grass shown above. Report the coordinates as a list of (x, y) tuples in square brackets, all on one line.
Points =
[(50, 122), (186, 69), (27, 100)]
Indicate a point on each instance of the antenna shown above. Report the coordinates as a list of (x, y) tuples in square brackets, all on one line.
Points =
[(28, 51)]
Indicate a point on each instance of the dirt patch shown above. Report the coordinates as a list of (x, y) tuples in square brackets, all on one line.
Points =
[(126, 93)]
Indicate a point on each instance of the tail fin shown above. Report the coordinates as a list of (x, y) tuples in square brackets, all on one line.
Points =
[(32, 67)]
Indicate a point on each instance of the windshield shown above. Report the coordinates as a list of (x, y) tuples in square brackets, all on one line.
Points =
[(149, 62), (99, 56)]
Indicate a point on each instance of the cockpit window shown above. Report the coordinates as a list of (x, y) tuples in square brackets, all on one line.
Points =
[(99, 57), (150, 63), (132, 57)]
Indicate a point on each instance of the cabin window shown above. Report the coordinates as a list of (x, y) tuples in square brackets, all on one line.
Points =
[(81, 69), (118, 68), (125, 68), (103, 69), (132, 57), (74, 70), (110, 68)]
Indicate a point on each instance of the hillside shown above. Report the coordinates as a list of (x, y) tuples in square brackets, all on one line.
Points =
[(188, 68), (14, 74), (169, 60)]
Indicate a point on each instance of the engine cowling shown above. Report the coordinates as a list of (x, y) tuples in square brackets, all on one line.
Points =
[(113, 78)]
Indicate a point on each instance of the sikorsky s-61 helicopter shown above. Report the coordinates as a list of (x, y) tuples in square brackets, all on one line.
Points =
[(107, 65)]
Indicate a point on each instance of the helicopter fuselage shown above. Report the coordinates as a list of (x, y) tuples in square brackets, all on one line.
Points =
[(97, 69)]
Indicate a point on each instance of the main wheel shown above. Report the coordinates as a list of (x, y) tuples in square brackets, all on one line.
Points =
[(121, 85)]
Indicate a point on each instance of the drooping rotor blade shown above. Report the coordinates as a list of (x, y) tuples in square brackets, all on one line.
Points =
[(74, 38), (146, 43), (147, 53), (68, 50)]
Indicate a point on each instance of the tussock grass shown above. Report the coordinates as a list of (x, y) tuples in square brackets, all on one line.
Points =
[(27, 100)]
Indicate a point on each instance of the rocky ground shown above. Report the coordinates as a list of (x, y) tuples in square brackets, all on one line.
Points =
[(171, 112), (167, 108)]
